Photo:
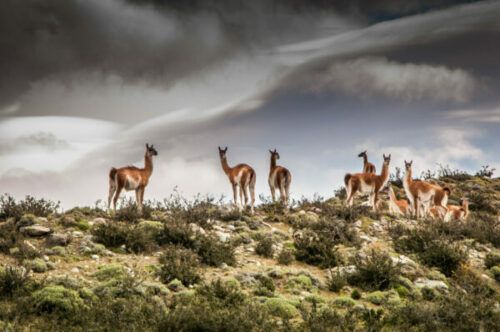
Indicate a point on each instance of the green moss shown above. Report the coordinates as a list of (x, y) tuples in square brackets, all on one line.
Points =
[(107, 272), (344, 302), (37, 265), (281, 308), (233, 283), (57, 299), (28, 219)]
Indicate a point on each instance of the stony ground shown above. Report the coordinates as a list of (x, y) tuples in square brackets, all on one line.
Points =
[(64, 246)]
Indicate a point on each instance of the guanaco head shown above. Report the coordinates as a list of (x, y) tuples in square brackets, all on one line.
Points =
[(362, 154), (222, 153), (408, 165), (150, 150), (274, 154), (387, 159)]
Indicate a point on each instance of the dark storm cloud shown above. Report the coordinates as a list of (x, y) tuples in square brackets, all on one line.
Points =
[(158, 41)]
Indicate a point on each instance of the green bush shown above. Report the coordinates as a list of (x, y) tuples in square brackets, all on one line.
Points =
[(57, 299), (495, 271), (9, 208), (37, 265), (13, 280), (446, 257), (492, 259), (111, 271), (336, 281), (281, 308), (376, 271), (213, 252), (111, 234), (265, 287), (179, 263), (356, 294), (265, 247), (286, 256)]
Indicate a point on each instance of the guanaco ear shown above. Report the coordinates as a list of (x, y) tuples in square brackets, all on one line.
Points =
[(225, 150), (270, 151)]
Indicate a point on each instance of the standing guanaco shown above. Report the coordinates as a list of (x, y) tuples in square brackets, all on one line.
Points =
[(367, 166), (398, 206), (424, 195), (279, 177), (242, 176), (367, 183), (131, 178)]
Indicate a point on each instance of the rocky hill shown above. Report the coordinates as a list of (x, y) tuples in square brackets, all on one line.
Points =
[(202, 266)]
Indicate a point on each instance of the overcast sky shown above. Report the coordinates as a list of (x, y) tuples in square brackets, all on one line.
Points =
[(86, 83)]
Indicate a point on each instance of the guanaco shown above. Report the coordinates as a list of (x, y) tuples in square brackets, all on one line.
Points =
[(424, 195), (367, 166), (279, 177), (131, 178), (458, 212), (242, 176), (398, 206), (367, 183)]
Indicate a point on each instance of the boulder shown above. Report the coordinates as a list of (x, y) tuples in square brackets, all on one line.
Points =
[(434, 284), (35, 230), (57, 239)]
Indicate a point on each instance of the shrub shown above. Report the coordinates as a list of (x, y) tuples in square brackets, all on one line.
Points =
[(281, 308), (286, 256), (336, 281), (177, 232), (492, 259), (495, 271), (129, 211), (301, 282), (111, 271), (9, 208), (37, 265), (13, 280), (480, 201), (486, 171), (266, 287), (265, 247), (214, 252), (316, 249), (376, 271), (179, 263), (111, 234), (446, 257), (57, 299), (356, 294), (344, 302)]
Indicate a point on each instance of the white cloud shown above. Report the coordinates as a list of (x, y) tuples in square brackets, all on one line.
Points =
[(442, 146), (376, 76), (476, 115)]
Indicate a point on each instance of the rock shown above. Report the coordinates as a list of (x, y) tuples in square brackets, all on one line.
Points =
[(434, 284), (46, 258), (197, 229), (223, 266), (68, 221), (35, 230), (246, 278), (77, 234), (302, 213), (30, 245), (275, 274), (75, 270), (224, 237), (57, 239), (94, 257), (98, 221), (42, 219), (365, 238)]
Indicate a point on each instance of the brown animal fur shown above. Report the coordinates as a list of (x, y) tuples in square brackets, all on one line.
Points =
[(398, 206), (424, 195), (242, 176), (458, 212), (367, 166), (367, 183), (279, 177), (131, 178)]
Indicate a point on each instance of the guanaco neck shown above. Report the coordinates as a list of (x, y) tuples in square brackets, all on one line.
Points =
[(273, 163), (385, 172), (408, 179), (392, 196), (365, 159), (225, 165), (465, 206), (148, 164)]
